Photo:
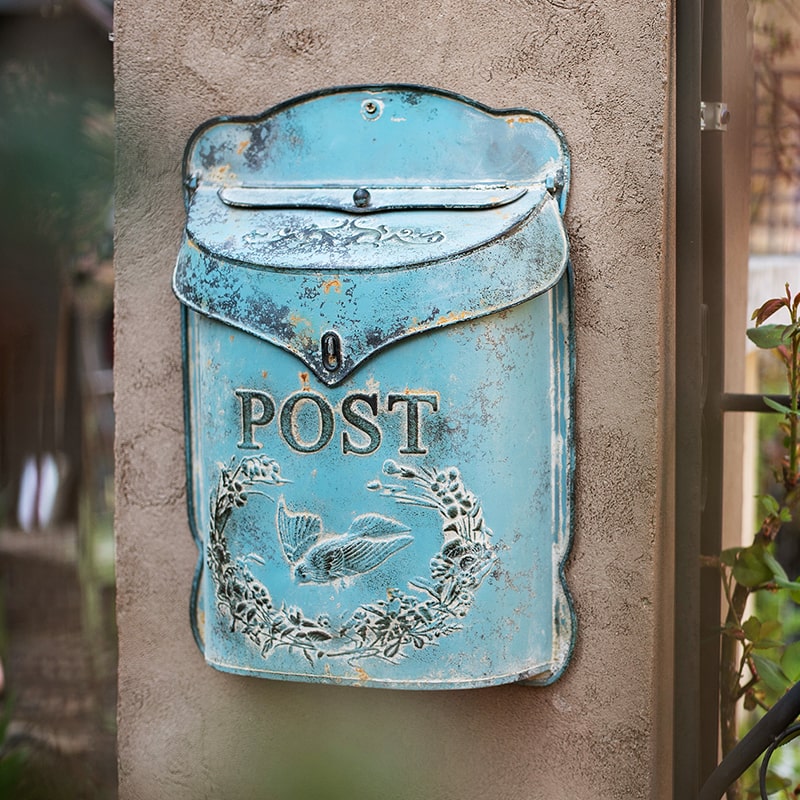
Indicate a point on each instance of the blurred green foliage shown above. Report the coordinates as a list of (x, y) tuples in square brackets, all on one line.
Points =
[(56, 137)]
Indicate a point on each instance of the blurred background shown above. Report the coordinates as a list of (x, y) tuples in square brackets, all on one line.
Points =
[(57, 635)]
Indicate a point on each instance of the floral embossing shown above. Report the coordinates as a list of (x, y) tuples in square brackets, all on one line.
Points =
[(388, 628)]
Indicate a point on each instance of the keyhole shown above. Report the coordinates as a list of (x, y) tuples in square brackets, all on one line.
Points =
[(331, 351)]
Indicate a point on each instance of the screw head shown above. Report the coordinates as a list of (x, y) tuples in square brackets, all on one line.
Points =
[(361, 197), (371, 109)]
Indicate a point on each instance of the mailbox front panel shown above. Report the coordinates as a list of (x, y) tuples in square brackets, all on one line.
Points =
[(381, 503)]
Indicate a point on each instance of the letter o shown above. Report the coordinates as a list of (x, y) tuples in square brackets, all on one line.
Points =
[(287, 422)]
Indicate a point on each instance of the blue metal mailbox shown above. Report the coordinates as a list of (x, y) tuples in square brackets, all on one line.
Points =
[(378, 372)]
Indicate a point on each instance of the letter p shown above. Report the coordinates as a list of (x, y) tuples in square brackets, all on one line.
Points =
[(258, 409)]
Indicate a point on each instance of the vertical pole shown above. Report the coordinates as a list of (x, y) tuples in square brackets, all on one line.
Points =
[(714, 274), (688, 402)]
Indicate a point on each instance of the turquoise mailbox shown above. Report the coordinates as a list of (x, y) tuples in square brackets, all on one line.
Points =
[(378, 379)]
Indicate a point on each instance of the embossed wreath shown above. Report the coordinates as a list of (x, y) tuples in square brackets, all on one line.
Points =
[(386, 628)]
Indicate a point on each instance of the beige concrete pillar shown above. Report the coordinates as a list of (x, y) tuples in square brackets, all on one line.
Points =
[(601, 70)]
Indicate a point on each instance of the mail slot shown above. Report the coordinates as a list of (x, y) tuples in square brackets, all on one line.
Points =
[(378, 376)]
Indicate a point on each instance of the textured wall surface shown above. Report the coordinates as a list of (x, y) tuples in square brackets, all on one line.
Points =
[(600, 69)]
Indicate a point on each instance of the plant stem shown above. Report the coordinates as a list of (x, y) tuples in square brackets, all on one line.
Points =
[(794, 389), (729, 680)]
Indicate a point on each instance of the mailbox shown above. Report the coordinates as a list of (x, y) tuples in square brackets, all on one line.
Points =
[(378, 378)]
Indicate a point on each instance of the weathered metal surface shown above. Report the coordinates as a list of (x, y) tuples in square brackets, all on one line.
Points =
[(378, 364)]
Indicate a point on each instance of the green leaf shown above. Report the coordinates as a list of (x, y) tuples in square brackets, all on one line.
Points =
[(792, 587), (771, 674), (728, 557), (772, 629), (769, 503), (13, 766), (770, 636), (778, 572), (790, 661), (795, 595), (767, 337), (780, 577), (791, 330), (768, 644), (752, 628), (750, 569), (780, 407)]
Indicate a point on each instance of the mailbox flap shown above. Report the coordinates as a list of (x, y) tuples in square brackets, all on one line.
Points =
[(368, 215)]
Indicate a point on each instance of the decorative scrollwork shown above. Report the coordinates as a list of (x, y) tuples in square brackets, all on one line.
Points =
[(349, 232), (386, 628)]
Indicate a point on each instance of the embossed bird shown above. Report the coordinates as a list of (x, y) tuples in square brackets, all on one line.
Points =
[(319, 557)]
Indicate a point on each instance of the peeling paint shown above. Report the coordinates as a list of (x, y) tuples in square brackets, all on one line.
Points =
[(454, 316)]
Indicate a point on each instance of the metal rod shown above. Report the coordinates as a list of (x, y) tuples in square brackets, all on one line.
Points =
[(790, 733), (715, 270), (688, 402), (753, 402), (763, 734)]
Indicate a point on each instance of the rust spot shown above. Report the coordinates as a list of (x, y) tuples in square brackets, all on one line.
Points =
[(522, 120), (304, 381), (334, 284), (296, 321), (263, 373), (242, 146), (231, 337), (363, 675), (453, 316), (222, 172)]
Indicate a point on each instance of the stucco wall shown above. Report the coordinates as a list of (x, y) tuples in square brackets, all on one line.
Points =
[(600, 69)]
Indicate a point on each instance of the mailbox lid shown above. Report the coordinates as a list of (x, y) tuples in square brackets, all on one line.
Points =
[(261, 190), (462, 218)]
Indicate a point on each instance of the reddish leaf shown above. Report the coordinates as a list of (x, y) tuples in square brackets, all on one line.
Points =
[(768, 309)]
